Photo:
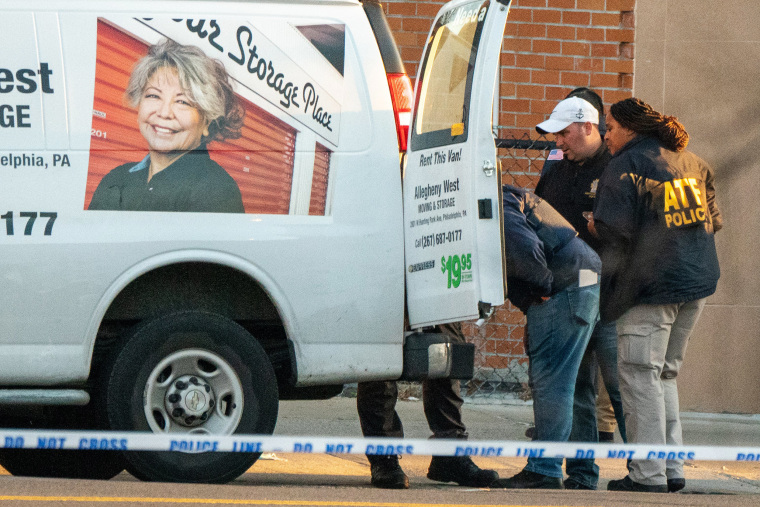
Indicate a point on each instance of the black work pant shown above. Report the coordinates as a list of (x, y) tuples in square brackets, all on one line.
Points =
[(441, 400)]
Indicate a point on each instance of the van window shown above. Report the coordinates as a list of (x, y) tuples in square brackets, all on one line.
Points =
[(446, 78)]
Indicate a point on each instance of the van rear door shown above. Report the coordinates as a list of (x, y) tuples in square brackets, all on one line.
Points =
[(452, 184)]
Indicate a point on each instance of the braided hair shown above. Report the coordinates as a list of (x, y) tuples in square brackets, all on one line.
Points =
[(638, 116)]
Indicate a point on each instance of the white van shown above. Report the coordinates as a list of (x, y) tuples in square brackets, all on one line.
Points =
[(202, 212)]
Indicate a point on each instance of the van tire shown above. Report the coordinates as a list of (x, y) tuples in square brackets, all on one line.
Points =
[(173, 356)]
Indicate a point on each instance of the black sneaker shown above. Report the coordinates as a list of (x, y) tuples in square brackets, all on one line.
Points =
[(460, 469), (676, 484), (529, 480), (387, 473), (572, 484), (627, 484)]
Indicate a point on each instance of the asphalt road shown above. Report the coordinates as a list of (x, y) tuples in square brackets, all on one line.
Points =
[(343, 480)]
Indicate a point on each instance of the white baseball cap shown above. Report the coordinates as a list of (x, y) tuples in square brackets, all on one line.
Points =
[(571, 110)]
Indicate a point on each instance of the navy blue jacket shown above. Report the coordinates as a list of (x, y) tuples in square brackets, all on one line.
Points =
[(544, 253), (655, 212)]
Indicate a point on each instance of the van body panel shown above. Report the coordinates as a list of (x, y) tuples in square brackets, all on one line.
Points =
[(334, 275)]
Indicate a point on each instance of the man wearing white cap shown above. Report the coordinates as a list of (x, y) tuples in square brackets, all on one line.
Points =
[(569, 185)]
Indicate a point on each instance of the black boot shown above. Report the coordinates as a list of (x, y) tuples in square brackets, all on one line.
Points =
[(529, 480), (387, 473), (460, 469), (628, 484)]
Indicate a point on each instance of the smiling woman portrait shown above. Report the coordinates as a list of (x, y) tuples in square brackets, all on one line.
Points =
[(184, 100)]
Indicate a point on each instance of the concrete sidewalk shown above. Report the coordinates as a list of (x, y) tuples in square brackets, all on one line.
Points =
[(507, 419)]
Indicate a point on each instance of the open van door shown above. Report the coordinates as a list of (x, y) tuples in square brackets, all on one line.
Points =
[(452, 183)]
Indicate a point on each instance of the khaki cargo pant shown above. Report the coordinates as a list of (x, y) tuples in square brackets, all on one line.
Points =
[(652, 342)]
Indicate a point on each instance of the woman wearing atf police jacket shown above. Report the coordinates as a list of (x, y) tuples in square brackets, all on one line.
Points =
[(655, 214)]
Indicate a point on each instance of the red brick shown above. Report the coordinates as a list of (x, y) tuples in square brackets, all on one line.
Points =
[(530, 91), (529, 121), (600, 80), (547, 16), (405, 39), (507, 120), (575, 79), (557, 93), (522, 45), (576, 48), (416, 25), (559, 63), (619, 66), (410, 54), (428, 10), (605, 19), (626, 81), (590, 5), (511, 29), (395, 24), (499, 331), (531, 30), (544, 77), (591, 34), (547, 46), (532, 3), (530, 61), (518, 15), (544, 107), (605, 50), (589, 64), (561, 4), (612, 96), (507, 89), (522, 180), (576, 18), (619, 35), (509, 347), (515, 75), (508, 60), (516, 105), (518, 332), (497, 362), (402, 9), (621, 5), (627, 51), (562, 32), (628, 20)]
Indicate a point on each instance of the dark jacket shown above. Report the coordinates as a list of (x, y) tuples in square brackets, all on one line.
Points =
[(544, 253), (571, 188), (193, 182), (653, 214)]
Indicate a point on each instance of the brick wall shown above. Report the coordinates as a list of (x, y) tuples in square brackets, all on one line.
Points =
[(550, 47)]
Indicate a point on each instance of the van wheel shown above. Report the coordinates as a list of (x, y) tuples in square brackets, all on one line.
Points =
[(191, 373), (66, 464)]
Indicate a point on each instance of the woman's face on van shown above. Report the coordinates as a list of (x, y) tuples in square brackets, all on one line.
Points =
[(167, 118)]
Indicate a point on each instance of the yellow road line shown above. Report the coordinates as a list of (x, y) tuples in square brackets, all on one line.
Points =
[(230, 501)]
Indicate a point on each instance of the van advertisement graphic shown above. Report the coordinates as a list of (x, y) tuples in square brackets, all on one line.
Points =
[(195, 115)]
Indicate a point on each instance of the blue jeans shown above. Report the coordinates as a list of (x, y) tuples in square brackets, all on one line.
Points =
[(558, 332), (601, 351)]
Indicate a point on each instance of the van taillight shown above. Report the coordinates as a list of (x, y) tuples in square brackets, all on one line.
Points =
[(402, 98)]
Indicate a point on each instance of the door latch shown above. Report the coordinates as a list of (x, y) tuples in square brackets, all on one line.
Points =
[(489, 168)]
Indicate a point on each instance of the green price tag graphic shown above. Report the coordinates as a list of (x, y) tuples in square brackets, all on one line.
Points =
[(455, 265)]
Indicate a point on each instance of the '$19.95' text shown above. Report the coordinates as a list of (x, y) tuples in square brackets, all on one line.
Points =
[(455, 265)]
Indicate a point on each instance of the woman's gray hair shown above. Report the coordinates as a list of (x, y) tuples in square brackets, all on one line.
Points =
[(203, 79)]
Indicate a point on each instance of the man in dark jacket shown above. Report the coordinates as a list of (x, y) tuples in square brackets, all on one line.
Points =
[(552, 276), (569, 185)]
